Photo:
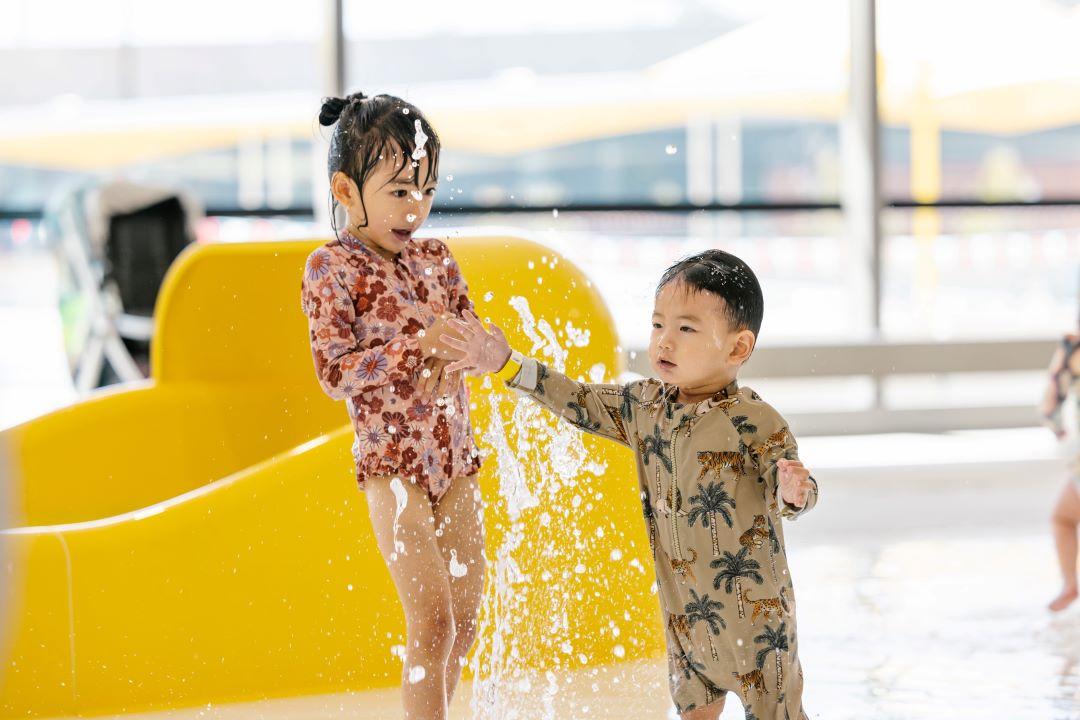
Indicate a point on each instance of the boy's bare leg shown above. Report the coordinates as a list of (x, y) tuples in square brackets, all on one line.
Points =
[(423, 585), (1064, 521), (458, 515), (709, 712)]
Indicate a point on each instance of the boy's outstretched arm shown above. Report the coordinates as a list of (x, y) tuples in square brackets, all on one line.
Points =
[(784, 474), (797, 490), (594, 408)]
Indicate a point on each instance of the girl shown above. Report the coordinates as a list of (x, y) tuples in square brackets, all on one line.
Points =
[(377, 300), (1064, 373)]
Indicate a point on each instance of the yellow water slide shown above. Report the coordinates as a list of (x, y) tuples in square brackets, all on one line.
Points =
[(199, 537)]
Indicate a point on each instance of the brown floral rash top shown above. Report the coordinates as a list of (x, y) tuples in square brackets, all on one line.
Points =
[(365, 313)]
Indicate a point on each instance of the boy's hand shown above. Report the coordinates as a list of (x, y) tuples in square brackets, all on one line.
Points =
[(795, 484), (430, 345), (482, 351)]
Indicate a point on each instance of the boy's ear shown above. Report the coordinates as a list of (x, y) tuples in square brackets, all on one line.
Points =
[(744, 347), (344, 189)]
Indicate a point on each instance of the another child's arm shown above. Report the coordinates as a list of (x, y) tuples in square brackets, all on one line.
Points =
[(581, 404), (1057, 388), (344, 369)]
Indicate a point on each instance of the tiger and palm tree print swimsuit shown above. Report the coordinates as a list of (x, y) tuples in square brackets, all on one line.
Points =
[(708, 479)]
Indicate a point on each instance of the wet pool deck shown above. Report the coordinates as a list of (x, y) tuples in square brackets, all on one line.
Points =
[(920, 599)]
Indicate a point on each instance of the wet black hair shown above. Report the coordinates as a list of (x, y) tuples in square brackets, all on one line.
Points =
[(727, 277), (369, 128)]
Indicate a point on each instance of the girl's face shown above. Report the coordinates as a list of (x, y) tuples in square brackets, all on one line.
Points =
[(692, 345), (396, 204)]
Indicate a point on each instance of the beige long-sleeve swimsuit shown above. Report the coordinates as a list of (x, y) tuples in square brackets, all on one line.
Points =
[(708, 477)]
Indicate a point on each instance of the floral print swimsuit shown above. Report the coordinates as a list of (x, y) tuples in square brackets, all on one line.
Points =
[(364, 314)]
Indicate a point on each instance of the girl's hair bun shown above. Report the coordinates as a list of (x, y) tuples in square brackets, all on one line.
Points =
[(332, 107)]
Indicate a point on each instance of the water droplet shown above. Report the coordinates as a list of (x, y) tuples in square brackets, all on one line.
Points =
[(671, 149), (416, 674), (419, 139), (619, 651), (488, 295), (401, 499), (555, 212), (457, 569), (410, 218)]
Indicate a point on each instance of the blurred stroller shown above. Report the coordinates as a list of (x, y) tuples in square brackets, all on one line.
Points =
[(114, 242)]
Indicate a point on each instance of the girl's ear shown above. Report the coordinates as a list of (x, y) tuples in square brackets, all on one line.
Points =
[(344, 190)]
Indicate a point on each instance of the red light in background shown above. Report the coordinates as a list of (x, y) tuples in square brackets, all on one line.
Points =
[(21, 231)]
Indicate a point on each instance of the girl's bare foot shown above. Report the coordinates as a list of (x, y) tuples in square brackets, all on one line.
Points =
[(1064, 600)]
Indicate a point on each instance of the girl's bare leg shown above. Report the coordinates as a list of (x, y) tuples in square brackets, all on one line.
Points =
[(458, 516), (423, 585)]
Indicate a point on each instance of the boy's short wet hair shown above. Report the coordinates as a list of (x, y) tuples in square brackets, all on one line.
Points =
[(727, 277), (371, 128)]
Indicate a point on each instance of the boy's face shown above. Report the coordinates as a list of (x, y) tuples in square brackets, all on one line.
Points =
[(396, 205), (692, 345)]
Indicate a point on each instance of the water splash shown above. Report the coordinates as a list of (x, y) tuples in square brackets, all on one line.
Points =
[(457, 569), (576, 337), (401, 499), (540, 465), (419, 140), (541, 333)]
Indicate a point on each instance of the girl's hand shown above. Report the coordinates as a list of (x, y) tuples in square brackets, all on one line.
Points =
[(437, 381), (482, 351), (795, 484), (430, 345)]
